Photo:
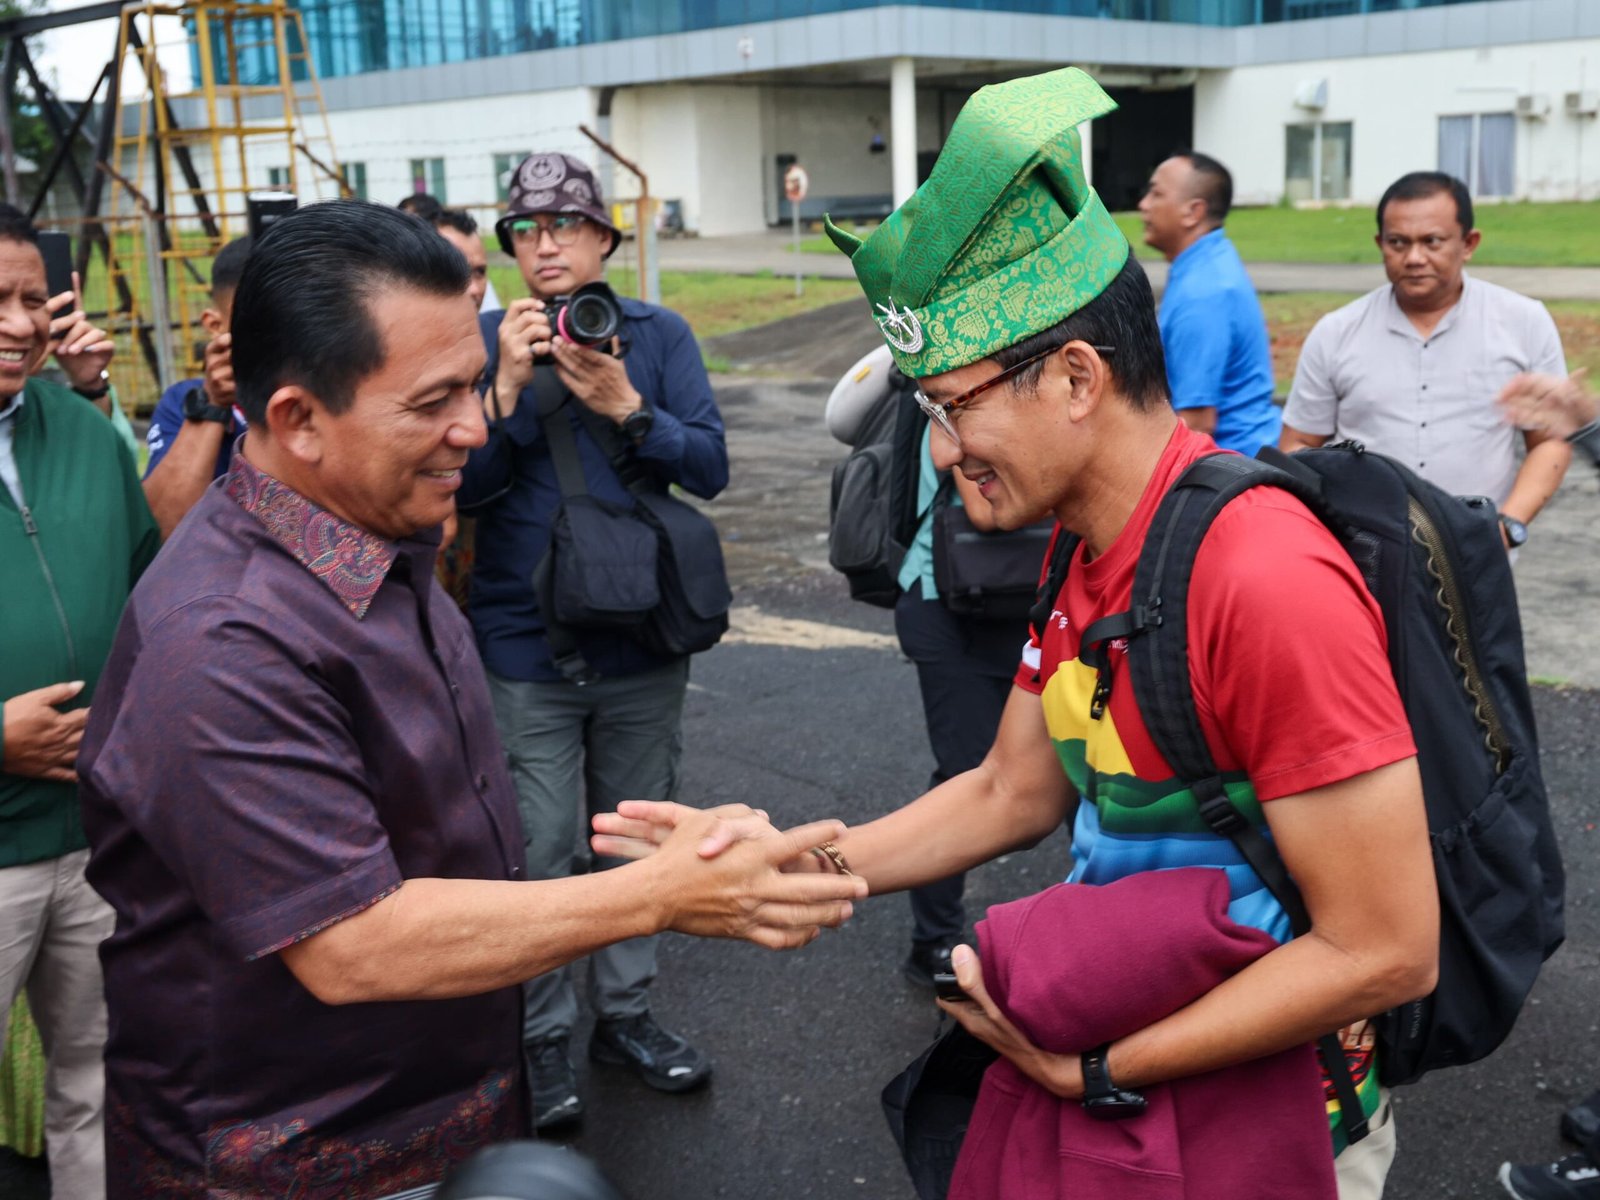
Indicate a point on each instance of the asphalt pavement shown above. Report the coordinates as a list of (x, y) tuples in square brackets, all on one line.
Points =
[(808, 710)]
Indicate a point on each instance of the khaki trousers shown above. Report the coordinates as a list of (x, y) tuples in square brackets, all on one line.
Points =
[(1363, 1167), (51, 926)]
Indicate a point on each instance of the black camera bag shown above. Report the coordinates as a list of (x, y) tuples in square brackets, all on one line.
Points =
[(985, 576), (591, 577), (654, 571), (692, 614)]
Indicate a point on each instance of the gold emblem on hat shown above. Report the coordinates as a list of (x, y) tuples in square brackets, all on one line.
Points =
[(900, 326)]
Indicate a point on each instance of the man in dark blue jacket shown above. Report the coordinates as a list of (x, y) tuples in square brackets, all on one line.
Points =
[(619, 737)]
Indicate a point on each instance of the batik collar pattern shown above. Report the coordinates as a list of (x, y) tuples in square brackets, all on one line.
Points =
[(351, 561)]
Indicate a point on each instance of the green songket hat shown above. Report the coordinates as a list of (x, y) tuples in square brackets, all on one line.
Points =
[(1006, 237)]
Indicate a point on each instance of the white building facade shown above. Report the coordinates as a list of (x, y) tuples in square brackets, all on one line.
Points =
[(1303, 108)]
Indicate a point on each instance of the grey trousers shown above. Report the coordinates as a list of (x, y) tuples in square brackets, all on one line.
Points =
[(574, 752), (51, 926)]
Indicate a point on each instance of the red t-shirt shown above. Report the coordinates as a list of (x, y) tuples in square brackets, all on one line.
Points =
[(1289, 667)]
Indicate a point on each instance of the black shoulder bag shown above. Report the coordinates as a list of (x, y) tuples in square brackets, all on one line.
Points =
[(653, 571)]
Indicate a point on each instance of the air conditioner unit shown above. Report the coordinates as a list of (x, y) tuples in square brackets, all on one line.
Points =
[(1583, 104), (1312, 94), (1533, 106)]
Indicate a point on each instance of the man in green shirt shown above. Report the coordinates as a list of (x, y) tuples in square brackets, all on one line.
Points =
[(75, 534)]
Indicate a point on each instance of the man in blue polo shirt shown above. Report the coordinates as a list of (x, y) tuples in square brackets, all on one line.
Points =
[(1219, 362)]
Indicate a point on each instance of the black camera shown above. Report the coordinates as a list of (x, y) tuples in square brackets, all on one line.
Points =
[(590, 316), (262, 209)]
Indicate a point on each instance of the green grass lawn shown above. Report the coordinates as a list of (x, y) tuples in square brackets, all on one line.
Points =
[(1514, 235), (1291, 315)]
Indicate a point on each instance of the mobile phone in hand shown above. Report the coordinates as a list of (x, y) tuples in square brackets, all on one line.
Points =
[(56, 247), (946, 987)]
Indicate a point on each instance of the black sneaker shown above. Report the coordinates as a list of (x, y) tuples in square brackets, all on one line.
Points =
[(927, 959), (552, 1084), (1575, 1177), (661, 1058), (1580, 1122)]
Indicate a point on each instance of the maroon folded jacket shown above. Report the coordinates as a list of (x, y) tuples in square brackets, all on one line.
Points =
[(1076, 966)]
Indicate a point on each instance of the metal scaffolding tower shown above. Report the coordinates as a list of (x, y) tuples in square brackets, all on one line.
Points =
[(183, 162)]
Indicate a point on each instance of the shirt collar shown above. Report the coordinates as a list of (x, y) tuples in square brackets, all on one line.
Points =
[(1400, 323), (13, 406), (1198, 249), (351, 561)]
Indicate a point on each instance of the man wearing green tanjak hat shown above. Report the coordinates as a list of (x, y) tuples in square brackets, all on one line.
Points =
[(1006, 290)]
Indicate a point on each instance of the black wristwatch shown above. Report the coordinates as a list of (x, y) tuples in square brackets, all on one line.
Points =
[(1102, 1099), (95, 393), (1516, 531), (638, 423), (197, 407)]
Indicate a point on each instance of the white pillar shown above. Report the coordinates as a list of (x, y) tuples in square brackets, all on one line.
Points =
[(1086, 142), (903, 128)]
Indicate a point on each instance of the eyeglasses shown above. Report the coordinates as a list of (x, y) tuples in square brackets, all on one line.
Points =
[(562, 228), (940, 412)]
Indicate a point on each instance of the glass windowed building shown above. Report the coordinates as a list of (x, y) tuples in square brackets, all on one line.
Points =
[(1307, 101), (349, 37)]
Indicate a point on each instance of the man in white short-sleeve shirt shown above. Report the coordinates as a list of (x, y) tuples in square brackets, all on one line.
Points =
[(1412, 370)]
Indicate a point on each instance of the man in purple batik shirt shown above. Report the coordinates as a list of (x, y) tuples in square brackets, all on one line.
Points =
[(295, 798)]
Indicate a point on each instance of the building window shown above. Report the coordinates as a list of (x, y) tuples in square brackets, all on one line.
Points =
[(355, 178), (427, 175), (1317, 161), (504, 165), (278, 177), (1480, 149)]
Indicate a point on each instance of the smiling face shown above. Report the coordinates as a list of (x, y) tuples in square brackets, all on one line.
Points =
[(1017, 443), (1425, 250), (391, 462), (24, 319)]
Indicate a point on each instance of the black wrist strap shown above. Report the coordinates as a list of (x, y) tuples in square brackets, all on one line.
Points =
[(1102, 1098)]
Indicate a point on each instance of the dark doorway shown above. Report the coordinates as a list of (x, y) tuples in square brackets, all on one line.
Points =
[(1147, 127)]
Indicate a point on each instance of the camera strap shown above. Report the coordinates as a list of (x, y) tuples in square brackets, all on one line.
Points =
[(550, 402)]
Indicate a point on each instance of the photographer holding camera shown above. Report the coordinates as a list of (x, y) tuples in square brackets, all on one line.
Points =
[(626, 379)]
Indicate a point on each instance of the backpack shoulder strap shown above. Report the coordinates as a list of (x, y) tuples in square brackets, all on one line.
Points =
[(1158, 652), (1061, 552), (1158, 664)]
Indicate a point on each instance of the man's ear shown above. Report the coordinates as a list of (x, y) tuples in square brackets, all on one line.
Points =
[(296, 421), (213, 322), (1088, 378), (1474, 236)]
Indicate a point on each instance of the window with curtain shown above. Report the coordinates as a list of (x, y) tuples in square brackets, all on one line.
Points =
[(1299, 180), (1497, 144), (427, 175), (1455, 146), (355, 178), (1334, 161), (504, 165), (1480, 150), (1317, 161)]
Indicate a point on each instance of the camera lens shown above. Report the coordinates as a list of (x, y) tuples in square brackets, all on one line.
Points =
[(590, 319)]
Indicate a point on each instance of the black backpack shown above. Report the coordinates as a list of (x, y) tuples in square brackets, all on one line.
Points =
[(1439, 571), (872, 513)]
